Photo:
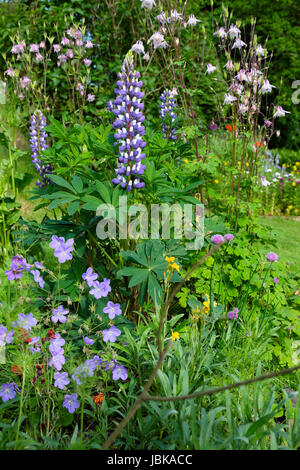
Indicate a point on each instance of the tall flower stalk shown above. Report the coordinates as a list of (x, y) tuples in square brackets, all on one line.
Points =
[(38, 143), (129, 131), (167, 114)]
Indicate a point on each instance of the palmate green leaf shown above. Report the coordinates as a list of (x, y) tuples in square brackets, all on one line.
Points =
[(77, 183), (73, 207), (61, 182), (104, 192), (61, 202)]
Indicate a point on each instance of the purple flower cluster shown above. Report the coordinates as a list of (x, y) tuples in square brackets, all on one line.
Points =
[(129, 131), (57, 352), (17, 266), (62, 249), (272, 257), (38, 143), (100, 289), (233, 315), (84, 371), (167, 114)]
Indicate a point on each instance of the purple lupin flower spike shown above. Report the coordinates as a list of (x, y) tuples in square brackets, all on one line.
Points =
[(167, 114), (38, 143), (129, 131)]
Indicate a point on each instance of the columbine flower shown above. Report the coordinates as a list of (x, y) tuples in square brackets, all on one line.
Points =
[(148, 4), (267, 87), (238, 44), (264, 181), (272, 257), (25, 82), (65, 41), (26, 321), (71, 402), (90, 277), (59, 314), (87, 62), (280, 112), (9, 72), (119, 372), (260, 51), (112, 310), (101, 289), (192, 20), (229, 237), (138, 47), (174, 16), (18, 48), (267, 123), (61, 380), (88, 341), (210, 68), (217, 239), (234, 31), (167, 114), (146, 56), (162, 18), (158, 41), (229, 65), (229, 99), (38, 143), (34, 48), (57, 48), (111, 334), (90, 98), (221, 33), (127, 108), (89, 44), (233, 315), (7, 391)]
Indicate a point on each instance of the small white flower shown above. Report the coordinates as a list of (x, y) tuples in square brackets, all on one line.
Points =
[(146, 56), (162, 18), (221, 33), (192, 21), (242, 76), (260, 51), (229, 65), (264, 181), (210, 68), (234, 31), (148, 4), (174, 16), (238, 43), (229, 99), (158, 40), (267, 87), (280, 112), (242, 108), (138, 47)]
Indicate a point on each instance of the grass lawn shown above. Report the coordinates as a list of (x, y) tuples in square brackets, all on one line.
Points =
[(288, 237)]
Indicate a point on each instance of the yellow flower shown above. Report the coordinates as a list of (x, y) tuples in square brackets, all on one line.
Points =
[(294, 167), (185, 160), (175, 335), (170, 259), (225, 163), (216, 181), (247, 164), (294, 184), (175, 266)]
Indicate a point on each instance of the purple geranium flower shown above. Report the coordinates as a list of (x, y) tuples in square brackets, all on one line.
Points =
[(119, 372), (61, 380), (101, 289), (275, 280), (90, 277), (26, 321), (59, 314), (57, 361), (111, 334), (112, 310), (97, 361), (272, 257), (88, 341), (7, 391), (56, 242), (56, 345), (85, 370), (217, 239), (71, 402), (5, 337), (37, 277), (63, 253)]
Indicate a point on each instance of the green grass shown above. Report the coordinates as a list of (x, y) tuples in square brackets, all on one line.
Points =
[(288, 237)]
